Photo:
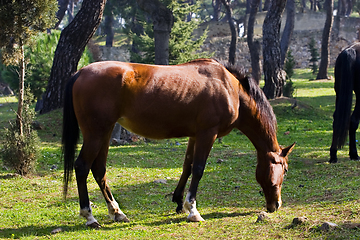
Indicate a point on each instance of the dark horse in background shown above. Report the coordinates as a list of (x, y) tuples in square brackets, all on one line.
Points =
[(200, 99), (347, 80)]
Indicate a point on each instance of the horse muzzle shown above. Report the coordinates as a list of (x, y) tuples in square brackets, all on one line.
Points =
[(273, 206)]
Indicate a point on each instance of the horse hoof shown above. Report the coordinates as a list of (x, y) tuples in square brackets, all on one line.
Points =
[(333, 161), (94, 225), (195, 218), (121, 218), (179, 210)]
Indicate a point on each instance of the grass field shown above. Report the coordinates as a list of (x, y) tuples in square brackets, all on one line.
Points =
[(228, 197)]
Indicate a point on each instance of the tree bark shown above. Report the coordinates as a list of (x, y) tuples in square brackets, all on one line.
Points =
[(71, 10), (216, 4), (288, 29), (163, 21), (254, 46), (324, 62), (72, 42), (61, 12), (19, 116), (232, 49), (274, 75), (108, 30), (267, 4)]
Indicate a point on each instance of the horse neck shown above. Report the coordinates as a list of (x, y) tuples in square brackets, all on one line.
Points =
[(261, 133)]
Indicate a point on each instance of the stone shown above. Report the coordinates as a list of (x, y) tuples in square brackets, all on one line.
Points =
[(326, 226), (162, 181), (56, 230), (262, 217), (220, 160), (299, 220)]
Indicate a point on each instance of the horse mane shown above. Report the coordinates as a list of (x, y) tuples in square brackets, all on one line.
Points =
[(264, 109)]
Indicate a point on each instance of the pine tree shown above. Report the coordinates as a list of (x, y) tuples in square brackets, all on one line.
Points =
[(182, 46), (289, 69), (314, 56)]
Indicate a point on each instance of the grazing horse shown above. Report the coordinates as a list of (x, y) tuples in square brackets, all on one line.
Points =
[(347, 80), (200, 99)]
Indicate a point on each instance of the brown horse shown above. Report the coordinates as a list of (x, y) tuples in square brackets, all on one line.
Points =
[(200, 99)]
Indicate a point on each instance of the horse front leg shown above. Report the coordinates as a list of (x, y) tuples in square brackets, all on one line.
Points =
[(179, 191), (202, 149)]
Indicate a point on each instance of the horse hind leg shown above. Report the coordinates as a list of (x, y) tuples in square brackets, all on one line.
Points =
[(354, 123), (82, 168), (333, 150), (99, 172)]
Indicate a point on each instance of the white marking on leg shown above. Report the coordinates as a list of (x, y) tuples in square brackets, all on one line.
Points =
[(87, 213), (190, 207), (115, 213)]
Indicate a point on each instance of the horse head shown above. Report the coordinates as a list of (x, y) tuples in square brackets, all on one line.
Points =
[(270, 171)]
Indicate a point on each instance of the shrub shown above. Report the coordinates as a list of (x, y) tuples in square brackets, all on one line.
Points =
[(20, 152), (314, 56), (289, 69)]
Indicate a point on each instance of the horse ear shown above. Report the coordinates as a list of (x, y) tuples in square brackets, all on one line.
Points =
[(286, 151)]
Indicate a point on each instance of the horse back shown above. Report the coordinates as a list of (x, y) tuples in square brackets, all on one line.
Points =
[(158, 101)]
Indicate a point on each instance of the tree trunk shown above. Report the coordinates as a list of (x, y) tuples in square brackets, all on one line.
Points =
[(72, 42), (254, 46), (267, 4), (274, 75), (71, 10), (349, 6), (163, 21), (108, 30), (288, 29), (61, 11), (232, 49), (302, 6), (324, 62), (216, 4), (19, 118)]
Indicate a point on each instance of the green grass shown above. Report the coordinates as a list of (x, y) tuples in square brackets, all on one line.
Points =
[(228, 197)]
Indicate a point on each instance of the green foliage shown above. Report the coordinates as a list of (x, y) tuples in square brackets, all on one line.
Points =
[(314, 56), (19, 21), (289, 69), (39, 57), (289, 64), (20, 152), (182, 45)]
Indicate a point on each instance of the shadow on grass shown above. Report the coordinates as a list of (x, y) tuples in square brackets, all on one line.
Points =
[(35, 230), (108, 225)]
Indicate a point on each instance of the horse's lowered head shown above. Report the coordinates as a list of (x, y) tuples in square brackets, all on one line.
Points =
[(270, 171)]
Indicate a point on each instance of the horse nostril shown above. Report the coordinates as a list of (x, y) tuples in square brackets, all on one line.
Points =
[(271, 209)]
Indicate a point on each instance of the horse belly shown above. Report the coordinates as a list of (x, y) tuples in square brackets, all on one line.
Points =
[(155, 128)]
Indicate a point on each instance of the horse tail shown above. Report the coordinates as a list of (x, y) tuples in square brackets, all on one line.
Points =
[(70, 133), (344, 81)]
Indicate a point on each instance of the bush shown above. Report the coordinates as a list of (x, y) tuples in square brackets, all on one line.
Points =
[(20, 152), (289, 88), (314, 56)]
